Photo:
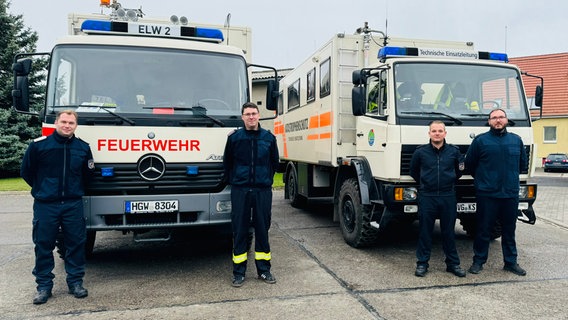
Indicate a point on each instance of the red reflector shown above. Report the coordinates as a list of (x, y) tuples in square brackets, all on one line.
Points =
[(163, 111)]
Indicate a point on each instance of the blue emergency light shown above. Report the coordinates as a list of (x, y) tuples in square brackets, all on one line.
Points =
[(397, 51), (107, 172), (191, 170), (493, 56), (155, 30)]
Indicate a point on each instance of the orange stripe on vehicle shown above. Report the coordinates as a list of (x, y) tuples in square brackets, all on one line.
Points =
[(279, 130), (325, 135), (325, 119), (314, 122), (313, 137)]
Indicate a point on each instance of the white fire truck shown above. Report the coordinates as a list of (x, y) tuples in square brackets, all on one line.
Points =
[(156, 100), (347, 126)]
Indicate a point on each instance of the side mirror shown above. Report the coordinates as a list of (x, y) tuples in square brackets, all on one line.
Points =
[(538, 96), (20, 93), (272, 90), (358, 100), (358, 78)]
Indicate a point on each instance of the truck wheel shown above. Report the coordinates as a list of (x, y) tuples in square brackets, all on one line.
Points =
[(470, 227), (355, 218), (60, 245), (90, 243), (296, 200)]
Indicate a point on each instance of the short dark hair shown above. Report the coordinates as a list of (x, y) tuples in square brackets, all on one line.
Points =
[(249, 105), (498, 109)]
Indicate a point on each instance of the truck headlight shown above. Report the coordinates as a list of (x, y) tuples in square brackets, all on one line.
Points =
[(405, 194), (223, 206), (526, 192)]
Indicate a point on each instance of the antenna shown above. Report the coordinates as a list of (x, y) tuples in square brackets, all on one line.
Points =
[(228, 25), (385, 42)]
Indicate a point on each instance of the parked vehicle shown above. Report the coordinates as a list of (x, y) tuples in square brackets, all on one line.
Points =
[(556, 162), (346, 129), (156, 100)]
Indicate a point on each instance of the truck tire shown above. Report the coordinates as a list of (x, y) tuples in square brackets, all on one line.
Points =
[(296, 200), (90, 243), (469, 225), (354, 217)]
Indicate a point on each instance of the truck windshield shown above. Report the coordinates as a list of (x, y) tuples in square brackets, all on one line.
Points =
[(146, 82), (457, 91)]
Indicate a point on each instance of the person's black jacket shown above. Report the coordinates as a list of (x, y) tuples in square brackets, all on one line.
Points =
[(250, 158), (436, 170), (495, 160), (57, 168)]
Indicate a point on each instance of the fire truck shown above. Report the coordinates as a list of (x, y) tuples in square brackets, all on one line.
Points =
[(156, 99), (346, 127)]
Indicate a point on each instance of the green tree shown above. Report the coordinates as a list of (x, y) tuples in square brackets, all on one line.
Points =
[(17, 130)]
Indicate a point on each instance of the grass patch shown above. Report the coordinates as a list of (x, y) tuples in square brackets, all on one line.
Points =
[(14, 184), (18, 184), (278, 182)]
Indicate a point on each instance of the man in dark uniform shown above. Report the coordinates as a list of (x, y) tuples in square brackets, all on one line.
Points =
[(57, 168), (250, 161), (437, 166), (495, 160)]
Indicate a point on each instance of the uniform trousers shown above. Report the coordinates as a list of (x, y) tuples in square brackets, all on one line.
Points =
[(429, 209), (48, 218), (490, 210), (251, 207)]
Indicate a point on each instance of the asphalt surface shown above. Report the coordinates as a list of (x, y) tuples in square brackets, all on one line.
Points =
[(319, 276)]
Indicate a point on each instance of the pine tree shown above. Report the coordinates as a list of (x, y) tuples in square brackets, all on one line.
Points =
[(17, 130)]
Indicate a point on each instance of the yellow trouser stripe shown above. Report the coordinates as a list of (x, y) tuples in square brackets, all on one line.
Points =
[(262, 255), (240, 258)]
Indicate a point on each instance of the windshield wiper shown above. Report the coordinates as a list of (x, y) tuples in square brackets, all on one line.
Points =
[(97, 105), (199, 110), (131, 122), (456, 120)]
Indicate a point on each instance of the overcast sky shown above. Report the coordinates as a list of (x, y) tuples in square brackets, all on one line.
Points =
[(286, 32)]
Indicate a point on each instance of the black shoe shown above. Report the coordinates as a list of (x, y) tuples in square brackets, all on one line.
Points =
[(267, 277), (78, 291), (456, 270), (42, 296), (516, 269), (475, 268), (420, 271), (238, 281)]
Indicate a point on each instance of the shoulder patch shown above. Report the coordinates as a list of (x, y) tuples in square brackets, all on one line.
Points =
[(230, 133), (40, 138)]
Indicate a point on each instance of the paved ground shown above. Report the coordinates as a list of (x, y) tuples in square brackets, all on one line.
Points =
[(552, 196), (319, 276)]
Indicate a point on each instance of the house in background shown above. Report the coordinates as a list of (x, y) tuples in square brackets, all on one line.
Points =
[(550, 132)]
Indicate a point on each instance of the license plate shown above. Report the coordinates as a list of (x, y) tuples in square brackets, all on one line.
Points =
[(151, 206), (466, 207)]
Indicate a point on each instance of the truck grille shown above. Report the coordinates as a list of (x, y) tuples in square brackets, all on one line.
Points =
[(408, 149), (151, 219), (127, 180)]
